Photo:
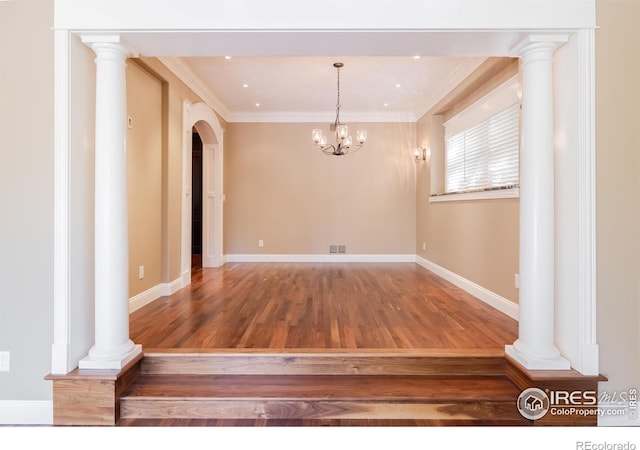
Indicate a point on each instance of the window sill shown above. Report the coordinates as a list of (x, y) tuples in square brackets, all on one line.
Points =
[(489, 194)]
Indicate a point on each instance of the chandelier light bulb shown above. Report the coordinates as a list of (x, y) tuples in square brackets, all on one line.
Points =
[(342, 131), (361, 136), (316, 135), (348, 141)]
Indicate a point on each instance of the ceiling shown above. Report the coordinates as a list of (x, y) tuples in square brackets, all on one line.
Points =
[(387, 75), (372, 88)]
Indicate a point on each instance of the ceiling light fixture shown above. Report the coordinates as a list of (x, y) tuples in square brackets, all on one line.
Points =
[(343, 140)]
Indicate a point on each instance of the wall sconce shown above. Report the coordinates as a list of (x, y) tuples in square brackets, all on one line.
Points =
[(420, 154)]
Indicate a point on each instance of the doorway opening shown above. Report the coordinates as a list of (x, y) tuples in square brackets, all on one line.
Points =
[(196, 201)]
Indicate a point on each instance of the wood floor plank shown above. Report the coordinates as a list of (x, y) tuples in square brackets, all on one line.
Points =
[(388, 388), (278, 363), (173, 422), (320, 397), (320, 305), (314, 409)]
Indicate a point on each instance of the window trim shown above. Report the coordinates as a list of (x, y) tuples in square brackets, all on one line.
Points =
[(493, 193)]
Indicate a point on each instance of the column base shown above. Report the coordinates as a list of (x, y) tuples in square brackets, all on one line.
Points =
[(89, 362), (531, 362)]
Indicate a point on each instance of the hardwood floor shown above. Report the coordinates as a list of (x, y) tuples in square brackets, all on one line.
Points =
[(320, 344), (315, 345), (320, 306)]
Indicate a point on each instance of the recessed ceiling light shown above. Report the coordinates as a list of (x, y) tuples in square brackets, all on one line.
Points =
[(416, 57), (245, 85), (398, 85), (257, 105), (386, 104), (227, 57)]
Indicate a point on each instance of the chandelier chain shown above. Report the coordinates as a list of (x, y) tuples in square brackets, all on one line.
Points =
[(338, 101)]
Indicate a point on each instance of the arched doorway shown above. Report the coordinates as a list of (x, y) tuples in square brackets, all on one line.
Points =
[(201, 119)]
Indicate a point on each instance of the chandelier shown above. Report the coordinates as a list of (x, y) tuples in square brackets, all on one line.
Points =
[(344, 141)]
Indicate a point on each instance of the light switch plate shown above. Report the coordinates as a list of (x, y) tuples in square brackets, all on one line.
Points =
[(4, 361)]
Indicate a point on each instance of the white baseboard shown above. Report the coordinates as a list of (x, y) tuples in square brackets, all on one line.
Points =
[(144, 298), (317, 258), (26, 412), (491, 298)]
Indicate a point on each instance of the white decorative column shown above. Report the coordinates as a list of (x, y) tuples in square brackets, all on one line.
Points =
[(535, 348), (112, 349)]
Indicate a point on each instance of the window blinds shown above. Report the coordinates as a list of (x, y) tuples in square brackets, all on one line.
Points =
[(485, 155)]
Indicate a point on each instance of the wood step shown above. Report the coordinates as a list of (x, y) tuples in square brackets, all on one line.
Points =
[(438, 362), (324, 397)]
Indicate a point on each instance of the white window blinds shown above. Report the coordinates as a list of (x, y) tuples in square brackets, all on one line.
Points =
[(485, 155)]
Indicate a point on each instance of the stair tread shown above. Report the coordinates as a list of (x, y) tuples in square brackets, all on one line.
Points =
[(412, 388)]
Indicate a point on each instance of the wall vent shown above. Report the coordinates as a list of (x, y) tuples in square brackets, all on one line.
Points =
[(337, 248)]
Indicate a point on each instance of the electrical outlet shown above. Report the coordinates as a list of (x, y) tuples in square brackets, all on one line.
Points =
[(141, 272), (517, 280), (260, 243), (4, 361)]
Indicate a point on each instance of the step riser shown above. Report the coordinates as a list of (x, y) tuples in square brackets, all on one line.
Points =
[(316, 409), (466, 404), (312, 364)]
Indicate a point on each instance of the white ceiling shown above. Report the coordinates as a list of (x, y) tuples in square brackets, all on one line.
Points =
[(371, 87), (291, 74)]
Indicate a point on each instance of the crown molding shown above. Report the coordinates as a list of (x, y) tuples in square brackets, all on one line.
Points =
[(314, 117), (180, 69)]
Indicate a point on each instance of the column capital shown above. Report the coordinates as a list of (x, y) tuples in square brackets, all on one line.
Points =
[(111, 41), (536, 41)]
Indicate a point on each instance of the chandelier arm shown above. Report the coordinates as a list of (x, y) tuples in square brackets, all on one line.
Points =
[(327, 149), (355, 148)]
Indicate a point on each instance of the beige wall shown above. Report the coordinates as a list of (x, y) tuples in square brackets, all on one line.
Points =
[(618, 193), (476, 239), (174, 92), (144, 177), (281, 189), (26, 197)]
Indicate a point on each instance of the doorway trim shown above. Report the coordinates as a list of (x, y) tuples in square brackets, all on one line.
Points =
[(201, 117)]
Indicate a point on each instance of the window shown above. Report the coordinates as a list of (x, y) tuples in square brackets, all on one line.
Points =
[(486, 155)]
